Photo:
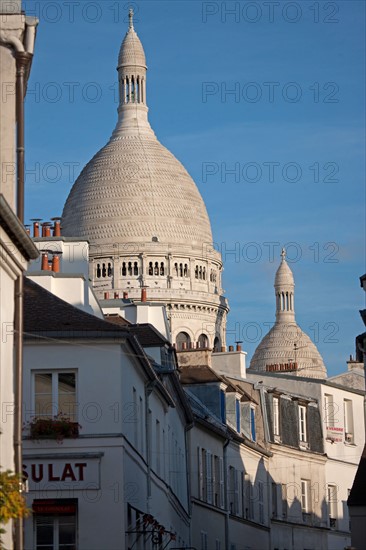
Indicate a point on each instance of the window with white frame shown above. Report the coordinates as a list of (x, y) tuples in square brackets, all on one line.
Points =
[(55, 530), (218, 482), (233, 491), (55, 393), (302, 424), (349, 436), (305, 499), (332, 505), (276, 416)]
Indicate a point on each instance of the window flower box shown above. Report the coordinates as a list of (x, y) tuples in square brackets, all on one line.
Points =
[(59, 427)]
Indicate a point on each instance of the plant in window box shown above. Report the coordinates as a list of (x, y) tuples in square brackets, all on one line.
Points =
[(58, 427)]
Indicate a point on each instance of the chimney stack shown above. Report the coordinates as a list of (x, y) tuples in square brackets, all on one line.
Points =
[(44, 260), (143, 294), (56, 227), (116, 295), (125, 295), (46, 229), (56, 262), (106, 295), (36, 226), (231, 348), (238, 345)]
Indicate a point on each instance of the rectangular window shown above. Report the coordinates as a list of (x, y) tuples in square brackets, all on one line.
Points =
[(223, 406), (261, 501), (237, 414), (218, 544), (305, 501), (248, 498), (135, 411), (348, 421), (204, 540), (276, 416), (217, 476), (274, 501), (141, 427), (329, 417), (252, 424), (332, 506), (233, 491), (304, 496), (302, 424), (157, 436), (55, 525), (209, 479), (284, 499), (55, 393)]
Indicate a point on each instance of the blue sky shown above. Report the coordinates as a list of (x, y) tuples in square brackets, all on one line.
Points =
[(279, 160)]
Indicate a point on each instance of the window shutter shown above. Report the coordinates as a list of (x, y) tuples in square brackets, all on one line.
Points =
[(236, 492), (209, 476), (222, 503), (200, 473), (245, 416)]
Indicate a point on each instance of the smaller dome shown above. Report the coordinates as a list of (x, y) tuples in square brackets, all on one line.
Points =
[(131, 52), (284, 275), (286, 343)]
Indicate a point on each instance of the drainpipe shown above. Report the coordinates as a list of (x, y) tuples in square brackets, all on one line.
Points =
[(148, 390)]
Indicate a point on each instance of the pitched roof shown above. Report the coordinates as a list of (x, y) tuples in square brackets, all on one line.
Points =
[(198, 375), (44, 312)]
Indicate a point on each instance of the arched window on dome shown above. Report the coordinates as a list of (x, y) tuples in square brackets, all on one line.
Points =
[(135, 268), (129, 270), (176, 270), (124, 269), (204, 273), (185, 272), (151, 269), (104, 271), (196, 272), (156, 268), (109, 271), (202, 341), (200, 272), (217, 344), (180, 270), (182, 341), (291, 302), (162, 268), (98, 272)]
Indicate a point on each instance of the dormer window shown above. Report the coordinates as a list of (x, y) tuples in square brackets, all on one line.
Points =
[(302, 424)]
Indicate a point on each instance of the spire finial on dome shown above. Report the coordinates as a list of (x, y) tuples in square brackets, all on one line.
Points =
[(283, 254), (130, 17)]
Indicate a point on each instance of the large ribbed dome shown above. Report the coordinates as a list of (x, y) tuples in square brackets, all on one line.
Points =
[(133, 190)]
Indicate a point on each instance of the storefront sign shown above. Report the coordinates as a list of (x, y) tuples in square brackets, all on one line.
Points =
[(60, 473)]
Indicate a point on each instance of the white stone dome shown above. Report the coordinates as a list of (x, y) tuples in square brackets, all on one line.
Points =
[(131, 52), (284, 344), (135, 190)]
